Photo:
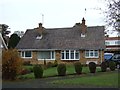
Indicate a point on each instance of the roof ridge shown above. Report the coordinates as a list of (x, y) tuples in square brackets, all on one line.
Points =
[(59, 28)]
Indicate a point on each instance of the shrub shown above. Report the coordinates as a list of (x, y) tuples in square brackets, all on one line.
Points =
[(78, 67), (103, 66), (92, 67), (24, 71), (38, 71), (61, 69), (55, 63), (11, 64), (49, 64), (112, 65), (31, 69), (26, 63)]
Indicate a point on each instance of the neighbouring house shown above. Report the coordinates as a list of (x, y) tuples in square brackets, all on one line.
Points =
[(77, 43), (19, 33), (112, 44)]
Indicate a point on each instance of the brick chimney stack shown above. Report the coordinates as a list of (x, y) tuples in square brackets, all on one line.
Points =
[(40, 28), (83, 27)]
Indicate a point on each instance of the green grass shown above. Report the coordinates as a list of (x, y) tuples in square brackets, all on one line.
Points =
[(53, 71), (50, 72), (27, 67), (102, 79)]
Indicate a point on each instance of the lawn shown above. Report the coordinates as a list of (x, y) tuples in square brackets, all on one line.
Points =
[(53, 71), (101, 79), (86, 79)]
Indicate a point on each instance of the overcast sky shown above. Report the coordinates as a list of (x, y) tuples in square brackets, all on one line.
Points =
[(26, 14)]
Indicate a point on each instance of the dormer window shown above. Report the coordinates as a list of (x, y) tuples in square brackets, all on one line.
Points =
[(39, 37), (82, 35)]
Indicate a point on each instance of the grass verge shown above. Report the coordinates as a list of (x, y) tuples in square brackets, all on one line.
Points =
[(101, 79)]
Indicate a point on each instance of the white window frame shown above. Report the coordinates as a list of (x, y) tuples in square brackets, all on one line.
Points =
[(91, 51), (50, 55), (64, 52), (24, 56)]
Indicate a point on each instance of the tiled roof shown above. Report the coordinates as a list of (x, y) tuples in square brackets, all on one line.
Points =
[(63, 38)]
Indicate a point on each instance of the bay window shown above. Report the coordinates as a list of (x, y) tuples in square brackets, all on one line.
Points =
[(70, 55), (91, 54)]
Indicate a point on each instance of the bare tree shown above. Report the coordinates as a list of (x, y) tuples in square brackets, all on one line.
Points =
[(5, 32), (113, 14)]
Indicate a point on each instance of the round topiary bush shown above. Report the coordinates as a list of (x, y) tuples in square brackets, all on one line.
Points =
[(92, 67), (61, 69), (38, 71), (78, 67), (112, 65), (103, 66)]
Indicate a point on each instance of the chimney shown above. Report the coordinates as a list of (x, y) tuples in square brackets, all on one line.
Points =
[(83, 27), (40, 28)]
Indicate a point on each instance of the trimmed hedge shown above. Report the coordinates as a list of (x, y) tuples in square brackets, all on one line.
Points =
[(78, 67), (61, 69)]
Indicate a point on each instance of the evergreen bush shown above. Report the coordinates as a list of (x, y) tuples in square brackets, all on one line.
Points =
[(112, 65), (78, 67), (38, 71), (61, 69), (103, 66), (92, 67)]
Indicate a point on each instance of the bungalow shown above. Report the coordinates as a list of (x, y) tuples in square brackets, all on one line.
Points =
[(77, 43)]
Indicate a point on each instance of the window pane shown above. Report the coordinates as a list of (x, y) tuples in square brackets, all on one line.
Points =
[(44, 55), (67, 55), (63, 56), (77, 56), (96, 53), (72, 55), (22, 54), (27, 53), (91, 53), (52, 54), (87, 53)]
